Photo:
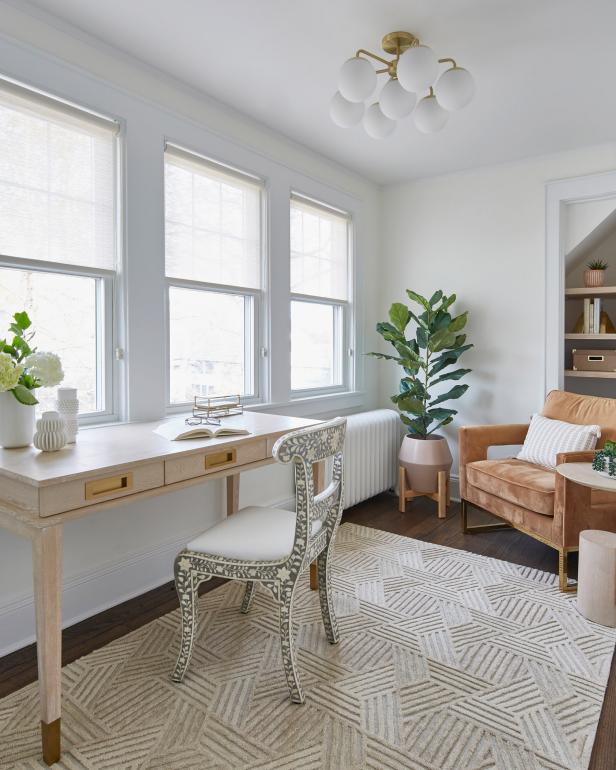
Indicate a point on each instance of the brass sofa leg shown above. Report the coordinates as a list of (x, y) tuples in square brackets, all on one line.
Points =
[(478, 527), (563, 578)]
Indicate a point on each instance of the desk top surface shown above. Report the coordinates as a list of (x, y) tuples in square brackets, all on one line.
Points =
[(113, 446)]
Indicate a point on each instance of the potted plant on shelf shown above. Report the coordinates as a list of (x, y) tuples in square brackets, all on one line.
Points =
[(594, 275), (436, 345), (22, 371)]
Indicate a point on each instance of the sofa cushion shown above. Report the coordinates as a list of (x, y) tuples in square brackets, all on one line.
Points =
[(527, 485), (547, 438), (583, 410)]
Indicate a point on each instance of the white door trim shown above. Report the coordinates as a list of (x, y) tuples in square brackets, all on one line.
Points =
[(559, 193)]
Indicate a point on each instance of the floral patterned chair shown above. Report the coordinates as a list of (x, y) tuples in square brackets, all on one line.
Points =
[(273, 546)]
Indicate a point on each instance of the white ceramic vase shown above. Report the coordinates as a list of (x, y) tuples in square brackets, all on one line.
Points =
[(67, 405), (16, 422), (50, 432)]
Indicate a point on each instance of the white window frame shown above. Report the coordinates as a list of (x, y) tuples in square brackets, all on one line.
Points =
[(107, 287), (344, 315), (255, 322), (105, 304)]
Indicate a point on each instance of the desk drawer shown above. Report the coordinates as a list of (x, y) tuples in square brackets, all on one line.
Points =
[(109, 486), (214, 460)]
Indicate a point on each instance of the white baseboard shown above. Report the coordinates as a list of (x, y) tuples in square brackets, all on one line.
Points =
[(93, 591)]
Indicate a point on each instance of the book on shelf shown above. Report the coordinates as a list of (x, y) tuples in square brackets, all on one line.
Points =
[(177, 430), (597, 315), (586, 315)]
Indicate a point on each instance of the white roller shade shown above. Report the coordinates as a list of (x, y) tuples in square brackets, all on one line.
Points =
[(319, 249), (212, 221), (57, 180)]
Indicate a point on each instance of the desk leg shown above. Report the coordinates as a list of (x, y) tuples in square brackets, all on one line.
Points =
[(318, 480), (233, 493), (47, 564)]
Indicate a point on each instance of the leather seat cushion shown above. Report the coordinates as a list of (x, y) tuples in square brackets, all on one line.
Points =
[(527, 485), (252, 534)]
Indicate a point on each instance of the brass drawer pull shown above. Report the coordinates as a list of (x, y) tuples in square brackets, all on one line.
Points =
[(108, 486), (220, 458)]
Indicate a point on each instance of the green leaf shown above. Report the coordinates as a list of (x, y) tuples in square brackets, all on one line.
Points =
[(441, 413), (24, 396), (384, 356), (10, 350), (408, 403), (441, 320), (422, 337), (455, 392), (440, 340), (457, 374), (435, 297), (448, 302), (446, 359), (459, 322), (22, 320), (412, 295), (399, 316)]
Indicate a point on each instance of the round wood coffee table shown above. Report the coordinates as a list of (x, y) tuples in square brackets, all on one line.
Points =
[(596, 595)]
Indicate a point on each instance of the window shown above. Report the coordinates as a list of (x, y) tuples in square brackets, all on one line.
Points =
[(58, 235), (320, 296), (213, 258)]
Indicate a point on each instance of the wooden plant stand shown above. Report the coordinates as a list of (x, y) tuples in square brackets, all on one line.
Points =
[(441, 496)]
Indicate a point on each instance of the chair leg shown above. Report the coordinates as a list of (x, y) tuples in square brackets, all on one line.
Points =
[(287, 642), (563, 577), (248, 596), (478, 527), (326, 599), (186, 588)]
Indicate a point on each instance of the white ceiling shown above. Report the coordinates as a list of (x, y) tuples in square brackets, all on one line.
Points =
[(544, 69)]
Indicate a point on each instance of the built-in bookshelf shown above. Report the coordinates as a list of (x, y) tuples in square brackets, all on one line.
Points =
[(574, 340)]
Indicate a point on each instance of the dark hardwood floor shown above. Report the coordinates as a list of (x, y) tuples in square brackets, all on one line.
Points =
[(420, 521)]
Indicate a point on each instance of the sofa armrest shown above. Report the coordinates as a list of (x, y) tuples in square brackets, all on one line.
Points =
[(475, 440), (574, 457)]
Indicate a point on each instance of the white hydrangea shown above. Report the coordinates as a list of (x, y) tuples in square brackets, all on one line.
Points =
[(9, 373), (46, 367)]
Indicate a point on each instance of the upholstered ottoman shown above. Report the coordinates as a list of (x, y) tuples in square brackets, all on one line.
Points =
[(596, 597)]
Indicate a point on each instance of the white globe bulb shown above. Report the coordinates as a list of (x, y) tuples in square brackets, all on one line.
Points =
[(429, 116), (377, 125), (357, 79), (395, 101), (417, 68), (345, 113), (455, 88)]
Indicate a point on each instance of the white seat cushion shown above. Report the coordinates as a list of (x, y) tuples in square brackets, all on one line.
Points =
[(252, 534)]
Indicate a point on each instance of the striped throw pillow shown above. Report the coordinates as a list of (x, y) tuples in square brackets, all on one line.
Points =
[(546, 438)]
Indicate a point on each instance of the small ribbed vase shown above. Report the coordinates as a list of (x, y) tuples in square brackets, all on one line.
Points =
[(67, 405), (50, 432), (593, 278)]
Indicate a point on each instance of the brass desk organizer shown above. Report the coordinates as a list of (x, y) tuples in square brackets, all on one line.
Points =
[(218, 406)]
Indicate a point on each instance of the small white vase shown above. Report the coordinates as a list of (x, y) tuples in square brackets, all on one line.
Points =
[(67, 405), (16, 422), (50, 432)]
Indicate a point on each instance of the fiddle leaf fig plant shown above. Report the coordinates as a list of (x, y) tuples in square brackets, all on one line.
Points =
[(426, 356)]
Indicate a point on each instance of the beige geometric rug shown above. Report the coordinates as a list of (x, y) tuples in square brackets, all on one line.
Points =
[(447, 661)]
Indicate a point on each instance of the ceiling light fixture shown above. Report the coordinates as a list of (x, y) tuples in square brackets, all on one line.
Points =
[(413, 70)]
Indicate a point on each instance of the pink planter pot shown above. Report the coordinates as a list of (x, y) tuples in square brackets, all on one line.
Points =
[(594, 278), (423, 459)]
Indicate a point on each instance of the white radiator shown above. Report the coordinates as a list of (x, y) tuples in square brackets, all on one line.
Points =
[(371, 454)]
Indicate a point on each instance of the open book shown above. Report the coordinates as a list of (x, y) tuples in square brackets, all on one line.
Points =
[(177, 430)]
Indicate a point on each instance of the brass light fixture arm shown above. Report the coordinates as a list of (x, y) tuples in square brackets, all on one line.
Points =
[(372, 56), (445, 61)]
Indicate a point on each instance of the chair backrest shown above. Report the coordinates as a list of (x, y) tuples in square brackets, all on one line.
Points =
[(303, 448), (583, 410)]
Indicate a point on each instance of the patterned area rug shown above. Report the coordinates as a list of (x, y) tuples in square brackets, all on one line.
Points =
[(447, 661)]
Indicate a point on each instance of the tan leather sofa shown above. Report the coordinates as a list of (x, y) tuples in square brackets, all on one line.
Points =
[(531, 498)]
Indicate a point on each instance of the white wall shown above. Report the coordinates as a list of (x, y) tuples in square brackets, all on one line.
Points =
[(115, 554), (481, 234)]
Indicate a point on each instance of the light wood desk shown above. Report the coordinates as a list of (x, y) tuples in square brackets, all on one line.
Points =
[(109, 466)]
